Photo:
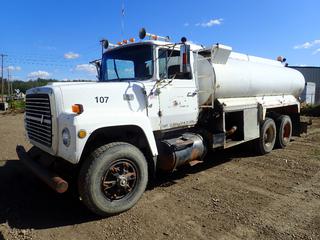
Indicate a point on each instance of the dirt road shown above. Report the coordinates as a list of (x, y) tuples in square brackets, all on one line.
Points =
[(235, 195)]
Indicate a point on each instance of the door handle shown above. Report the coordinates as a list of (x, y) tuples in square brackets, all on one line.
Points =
[(192, 94)]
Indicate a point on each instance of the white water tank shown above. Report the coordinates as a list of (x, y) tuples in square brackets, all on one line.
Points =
[(246, 76)]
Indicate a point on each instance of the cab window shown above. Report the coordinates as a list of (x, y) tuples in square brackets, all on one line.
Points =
[(169, 65)]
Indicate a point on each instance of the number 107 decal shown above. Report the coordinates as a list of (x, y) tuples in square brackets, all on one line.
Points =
[(102, 99)]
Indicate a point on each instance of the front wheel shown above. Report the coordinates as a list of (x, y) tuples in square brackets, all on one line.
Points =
[(113, 178)]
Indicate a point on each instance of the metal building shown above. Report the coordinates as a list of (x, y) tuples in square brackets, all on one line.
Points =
[(311, 74), (309, 93)]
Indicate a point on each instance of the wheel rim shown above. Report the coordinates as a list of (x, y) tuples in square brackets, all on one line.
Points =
[(119, 180), (269, 137), (286, 132)]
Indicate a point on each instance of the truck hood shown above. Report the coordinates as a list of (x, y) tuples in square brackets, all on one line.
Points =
[(97, 96), (104, 96)]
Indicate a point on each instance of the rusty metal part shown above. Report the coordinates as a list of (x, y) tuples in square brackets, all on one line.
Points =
[(231, 131), (194, 162), (51, 179), (119, 180), (179, 151)]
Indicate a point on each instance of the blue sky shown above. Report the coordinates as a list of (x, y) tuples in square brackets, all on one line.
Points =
[(57, 39)]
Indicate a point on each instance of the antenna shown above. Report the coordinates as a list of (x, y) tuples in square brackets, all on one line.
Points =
[(122, 19)]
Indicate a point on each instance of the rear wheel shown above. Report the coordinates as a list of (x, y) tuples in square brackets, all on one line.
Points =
[(284, 131), (113, 178), (267, 138)]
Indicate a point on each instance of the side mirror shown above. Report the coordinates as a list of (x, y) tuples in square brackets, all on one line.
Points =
[(185, 66), (105, 44), (97, 64), (98, 67)]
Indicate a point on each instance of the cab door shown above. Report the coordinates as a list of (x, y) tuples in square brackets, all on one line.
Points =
[(177, 92)]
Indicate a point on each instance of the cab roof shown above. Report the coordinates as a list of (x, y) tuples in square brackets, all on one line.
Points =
[(193, 47)]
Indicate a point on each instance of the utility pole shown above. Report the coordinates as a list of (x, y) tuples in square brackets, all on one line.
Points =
[(2, 82), (11, 87), (8, 82)]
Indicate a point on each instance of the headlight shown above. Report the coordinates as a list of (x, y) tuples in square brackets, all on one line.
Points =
[(66, 137)]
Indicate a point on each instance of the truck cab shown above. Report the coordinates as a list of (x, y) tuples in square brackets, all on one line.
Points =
[(156, 65)]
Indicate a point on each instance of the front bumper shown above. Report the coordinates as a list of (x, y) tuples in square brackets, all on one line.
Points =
[(43, 173)]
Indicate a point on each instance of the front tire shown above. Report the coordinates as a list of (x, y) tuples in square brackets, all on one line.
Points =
[(113, 178), (266, 141)]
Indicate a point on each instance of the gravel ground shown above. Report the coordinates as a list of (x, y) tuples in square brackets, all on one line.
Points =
[(234, 195)]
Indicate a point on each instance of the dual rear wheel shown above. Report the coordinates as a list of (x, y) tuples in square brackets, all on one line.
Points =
[(274, 133), (284, 129)]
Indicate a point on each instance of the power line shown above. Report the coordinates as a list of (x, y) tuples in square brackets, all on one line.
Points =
[(27, 62), (83, 51)]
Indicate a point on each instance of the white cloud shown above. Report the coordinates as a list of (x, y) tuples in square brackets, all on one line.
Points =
[(307, 45), (316, 51), (39, 74), (304, 45), (210, 23), (71, 55), (89, 68), (14, 69), (186, 24)]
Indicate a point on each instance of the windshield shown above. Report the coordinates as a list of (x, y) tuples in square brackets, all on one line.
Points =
[(128, 63)]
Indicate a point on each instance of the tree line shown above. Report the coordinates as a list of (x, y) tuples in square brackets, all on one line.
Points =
[(23, 86)]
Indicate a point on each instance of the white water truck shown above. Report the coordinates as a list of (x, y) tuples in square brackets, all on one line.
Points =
[(156, 106)]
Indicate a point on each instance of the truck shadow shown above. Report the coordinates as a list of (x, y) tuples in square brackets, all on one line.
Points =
[(26, 203), (211, 160)]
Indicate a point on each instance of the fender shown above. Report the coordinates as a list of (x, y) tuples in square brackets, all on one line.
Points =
[(92, 121)]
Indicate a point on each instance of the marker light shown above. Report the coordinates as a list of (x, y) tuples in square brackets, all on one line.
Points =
[(131, 40), (119, 43), (77, 108), (281, 59), (125, 41), (82, 133)]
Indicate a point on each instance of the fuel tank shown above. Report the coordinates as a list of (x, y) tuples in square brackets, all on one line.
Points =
[(176, 152)]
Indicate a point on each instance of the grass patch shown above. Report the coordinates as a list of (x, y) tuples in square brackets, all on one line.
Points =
[(17, 104)]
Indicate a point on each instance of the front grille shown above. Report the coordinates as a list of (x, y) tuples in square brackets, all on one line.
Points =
[(38, 118)]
